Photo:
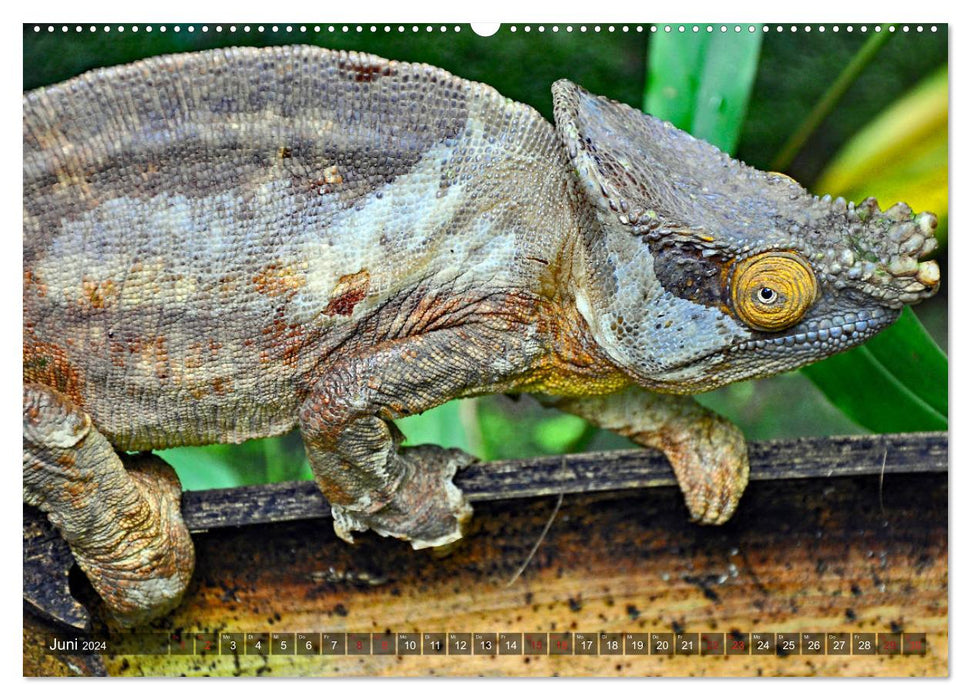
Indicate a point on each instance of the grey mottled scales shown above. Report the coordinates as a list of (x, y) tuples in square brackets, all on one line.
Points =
[(243, 160), (222, 245)]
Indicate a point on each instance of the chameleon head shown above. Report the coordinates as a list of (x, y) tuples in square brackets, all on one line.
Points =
[(699, 271)]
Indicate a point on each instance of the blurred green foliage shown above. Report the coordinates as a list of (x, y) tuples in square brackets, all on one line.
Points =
[(900, 155), (702, 82), (793, 70), (254, 462)]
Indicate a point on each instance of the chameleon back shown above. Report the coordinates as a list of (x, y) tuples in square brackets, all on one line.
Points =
[(201, 230)]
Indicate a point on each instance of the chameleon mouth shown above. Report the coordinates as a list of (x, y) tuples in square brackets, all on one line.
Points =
[(826, 336), (765, 356), (818, 338)]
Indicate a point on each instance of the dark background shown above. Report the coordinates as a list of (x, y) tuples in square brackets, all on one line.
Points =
[(794, 70)]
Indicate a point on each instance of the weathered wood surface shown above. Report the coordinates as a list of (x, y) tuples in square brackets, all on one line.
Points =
[(864, 553), (591, 472)]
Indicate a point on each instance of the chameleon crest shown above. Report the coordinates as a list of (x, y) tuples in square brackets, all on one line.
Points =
[(229, 244)]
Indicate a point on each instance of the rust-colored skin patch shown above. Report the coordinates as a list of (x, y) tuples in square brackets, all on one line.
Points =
[(47, 363), (98, 295), (278, 280), (33, 283), (350, 290), (576, 366), (368, 71)]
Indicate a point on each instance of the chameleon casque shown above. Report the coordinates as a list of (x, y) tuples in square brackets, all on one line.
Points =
[(223, 245)]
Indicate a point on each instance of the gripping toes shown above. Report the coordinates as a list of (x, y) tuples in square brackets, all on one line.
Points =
[(711, 464), (143, 574), (427, 509), (124, 526), (708, 453)]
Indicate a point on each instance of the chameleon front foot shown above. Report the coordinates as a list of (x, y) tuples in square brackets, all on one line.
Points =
[(711, 464), (427, 509), (708, 453)]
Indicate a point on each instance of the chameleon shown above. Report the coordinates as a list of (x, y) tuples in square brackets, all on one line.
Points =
[(225, 245)]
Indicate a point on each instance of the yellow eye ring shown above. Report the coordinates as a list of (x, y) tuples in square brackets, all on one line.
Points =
[(772, 291)]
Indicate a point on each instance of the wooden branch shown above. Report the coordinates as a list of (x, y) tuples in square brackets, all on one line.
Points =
[(856, 554), (804, 458)]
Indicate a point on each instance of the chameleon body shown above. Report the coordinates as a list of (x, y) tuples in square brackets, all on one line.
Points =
[(224, 245)]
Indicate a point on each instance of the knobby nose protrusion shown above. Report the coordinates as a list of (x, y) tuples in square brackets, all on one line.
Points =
[(885, 252)]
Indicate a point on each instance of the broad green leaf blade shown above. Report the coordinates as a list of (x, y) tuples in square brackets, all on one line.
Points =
[(726, 85), (908, 352), (873, 397), (702, 82), (673, 64)]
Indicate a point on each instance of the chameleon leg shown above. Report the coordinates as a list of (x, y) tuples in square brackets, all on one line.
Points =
[(708, 452), (353, 445), (124, 526)]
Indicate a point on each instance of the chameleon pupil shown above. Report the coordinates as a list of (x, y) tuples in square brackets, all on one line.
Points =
[(767, 295)]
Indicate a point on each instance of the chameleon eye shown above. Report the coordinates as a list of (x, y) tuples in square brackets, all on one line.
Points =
[(772, 291)]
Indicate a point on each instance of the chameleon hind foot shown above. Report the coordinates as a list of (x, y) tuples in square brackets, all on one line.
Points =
[(427, 509), (124, 526), (143, 574)]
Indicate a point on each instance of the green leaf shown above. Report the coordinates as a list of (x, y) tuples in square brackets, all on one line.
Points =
[(909, 353), (449, 425), (701, 82), (901, 155), (897, 382)]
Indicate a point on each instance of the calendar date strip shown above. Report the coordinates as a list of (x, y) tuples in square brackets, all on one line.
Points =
[(494, 644)]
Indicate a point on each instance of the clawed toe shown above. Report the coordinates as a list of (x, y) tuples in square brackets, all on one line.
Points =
[(428, 510)]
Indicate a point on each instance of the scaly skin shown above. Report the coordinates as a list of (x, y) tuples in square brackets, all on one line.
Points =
[(224, 245)]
